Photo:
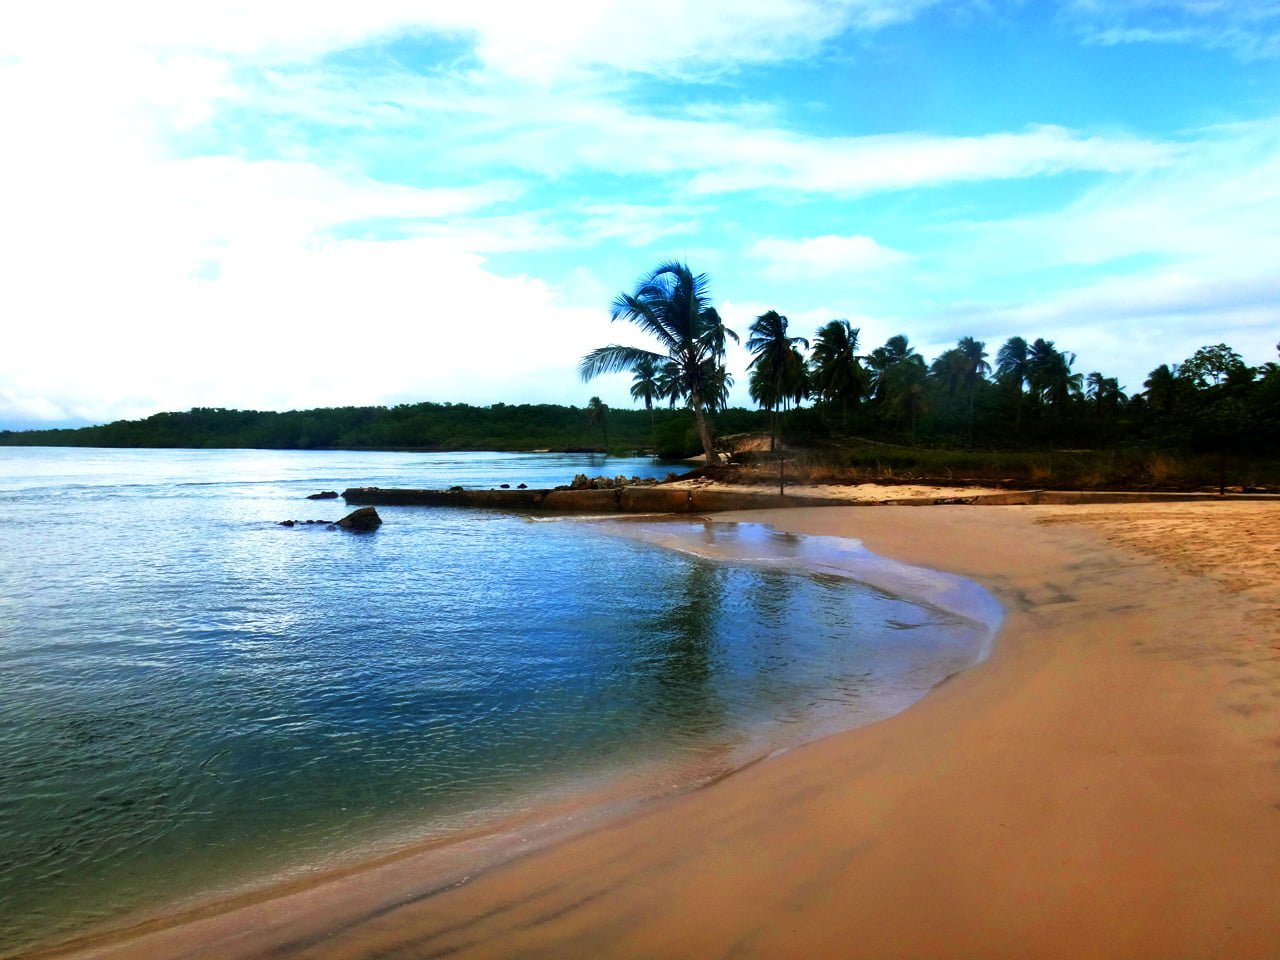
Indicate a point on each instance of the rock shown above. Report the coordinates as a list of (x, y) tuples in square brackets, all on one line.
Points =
[(455, 490), (324, 495), (287, 523), (366, 518), (523, 486), (504, 486)]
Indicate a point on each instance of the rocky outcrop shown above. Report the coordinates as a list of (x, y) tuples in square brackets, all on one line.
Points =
[(362, 520), (324, 495), (583, 482)]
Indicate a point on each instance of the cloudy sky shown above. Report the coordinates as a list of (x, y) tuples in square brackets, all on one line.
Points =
[(288, 204)]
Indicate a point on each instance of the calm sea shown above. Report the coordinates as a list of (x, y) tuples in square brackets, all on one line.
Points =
[(193, 698)]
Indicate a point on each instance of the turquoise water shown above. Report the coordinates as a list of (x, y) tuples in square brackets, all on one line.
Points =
[(193, 698)]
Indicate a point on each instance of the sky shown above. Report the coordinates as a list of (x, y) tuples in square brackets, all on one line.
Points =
[(280, 205)]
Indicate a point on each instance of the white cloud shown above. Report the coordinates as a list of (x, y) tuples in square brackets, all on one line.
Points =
[(494, 125), (541, 41), (824, 256), (857, 165), (1250, 29)]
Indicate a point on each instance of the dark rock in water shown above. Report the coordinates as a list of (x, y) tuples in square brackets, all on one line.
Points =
[(287, 523), (324, 495), (504, 486), (366, 518), (523, 486), (455, 489)]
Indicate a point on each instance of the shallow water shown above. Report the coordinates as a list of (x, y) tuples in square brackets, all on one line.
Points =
[(193, 698)]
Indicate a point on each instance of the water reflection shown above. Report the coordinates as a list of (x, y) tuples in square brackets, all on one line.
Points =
[(192, 696)]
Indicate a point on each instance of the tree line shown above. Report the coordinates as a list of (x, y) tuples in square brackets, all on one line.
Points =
[(1027, 394), (413, 426), (1024, 395)]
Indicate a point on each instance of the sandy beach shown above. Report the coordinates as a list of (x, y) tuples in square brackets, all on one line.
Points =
[(1107, 784)]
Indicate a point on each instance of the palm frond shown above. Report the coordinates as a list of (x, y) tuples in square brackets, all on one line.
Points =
[(614, 358)]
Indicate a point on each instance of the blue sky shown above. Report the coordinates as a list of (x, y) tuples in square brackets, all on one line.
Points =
[(279, 205)]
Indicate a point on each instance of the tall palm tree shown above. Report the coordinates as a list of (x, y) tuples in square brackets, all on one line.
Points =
[(644, 385), (835, 372), (973, 371), (1051, 376), (1096, 389), (895, 350), (672, 305), (1162, 389), (597, 416), (901, 388), (948, 370), (778, 374), (1013, 369)]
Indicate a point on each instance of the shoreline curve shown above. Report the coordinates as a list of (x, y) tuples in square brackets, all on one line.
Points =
[(1106, 784)]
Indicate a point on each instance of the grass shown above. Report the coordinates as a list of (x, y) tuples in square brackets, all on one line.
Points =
[(1118, 469)]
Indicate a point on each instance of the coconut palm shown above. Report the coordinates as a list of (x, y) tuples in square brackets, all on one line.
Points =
[(1050, 374), (901, 389), (1104, 392), (778, 375), (1013, 369), (597, 416), (672, 305), (973, 371), (895, 350), (644, 384), (1163, 389), (835, 373)]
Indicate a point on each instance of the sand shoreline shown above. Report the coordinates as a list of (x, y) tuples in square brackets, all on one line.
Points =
[(1106, 784)]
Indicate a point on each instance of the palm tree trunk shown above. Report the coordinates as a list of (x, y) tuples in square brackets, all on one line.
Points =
[(704, 429)]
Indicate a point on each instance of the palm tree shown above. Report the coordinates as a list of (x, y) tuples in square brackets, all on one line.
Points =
[(835, 373), (778, 374), (645, 386), (597, 414), (901, 388), (1162, 389), (948, 370), (672, 305), (1013, 369), (973, 371), (1051, 376), (1095, 389), (895, 350)]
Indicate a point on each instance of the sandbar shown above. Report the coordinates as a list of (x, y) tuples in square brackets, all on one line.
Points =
[(1106, 784)]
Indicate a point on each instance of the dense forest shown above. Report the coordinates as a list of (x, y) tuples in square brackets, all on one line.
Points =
[(417, 426)]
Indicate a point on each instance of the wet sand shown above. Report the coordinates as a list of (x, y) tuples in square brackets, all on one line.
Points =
[(1107, 784)]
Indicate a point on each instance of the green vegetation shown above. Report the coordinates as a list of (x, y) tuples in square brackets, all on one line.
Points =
[(778, 376), (673, 306), (417, 426)]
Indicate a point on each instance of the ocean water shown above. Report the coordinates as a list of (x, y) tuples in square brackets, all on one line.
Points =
[(194, 698)]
